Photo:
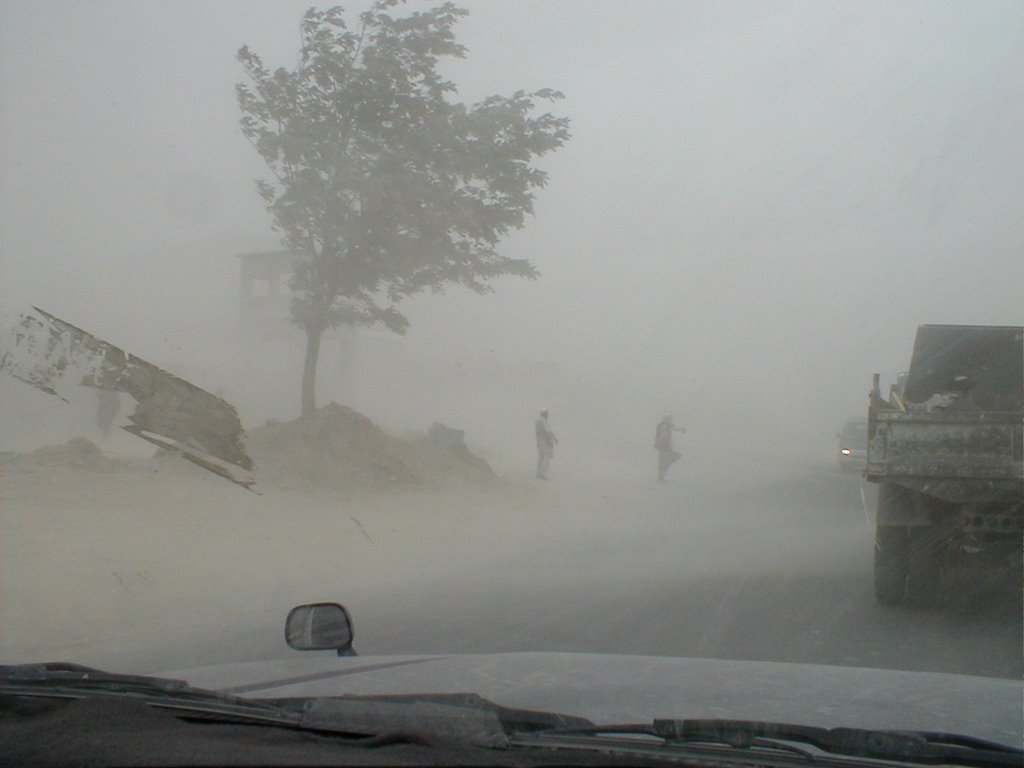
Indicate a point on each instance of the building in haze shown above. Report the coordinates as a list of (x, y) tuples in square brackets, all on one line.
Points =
[(264, 296)]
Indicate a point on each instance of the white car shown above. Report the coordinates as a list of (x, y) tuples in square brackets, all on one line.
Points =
[(505, 709)]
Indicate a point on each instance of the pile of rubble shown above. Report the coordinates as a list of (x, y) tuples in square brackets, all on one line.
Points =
[(335, 448), (76, 453), (338, 447)]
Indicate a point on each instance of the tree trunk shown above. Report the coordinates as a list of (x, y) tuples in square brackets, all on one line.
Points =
[(313, 335)]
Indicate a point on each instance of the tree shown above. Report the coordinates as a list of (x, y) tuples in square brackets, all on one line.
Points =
[(383, 186)]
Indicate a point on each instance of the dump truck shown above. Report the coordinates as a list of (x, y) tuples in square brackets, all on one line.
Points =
[(946, 449)]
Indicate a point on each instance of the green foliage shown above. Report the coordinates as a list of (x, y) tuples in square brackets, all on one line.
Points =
[(382, 185)]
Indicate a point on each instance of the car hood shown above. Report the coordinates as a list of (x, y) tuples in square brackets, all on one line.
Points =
[(620, 689)]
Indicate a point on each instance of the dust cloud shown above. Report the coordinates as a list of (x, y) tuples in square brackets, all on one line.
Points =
[(757, 208), (174, 568)]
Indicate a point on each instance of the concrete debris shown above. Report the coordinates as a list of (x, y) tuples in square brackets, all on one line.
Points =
[(49, 353)]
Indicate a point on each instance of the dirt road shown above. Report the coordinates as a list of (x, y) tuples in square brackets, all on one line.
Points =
[(160, 567), (777, 572)]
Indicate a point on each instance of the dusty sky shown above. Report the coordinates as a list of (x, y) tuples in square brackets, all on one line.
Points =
[(759, 204)]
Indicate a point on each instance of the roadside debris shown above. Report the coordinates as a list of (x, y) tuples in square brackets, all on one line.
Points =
[(338, 447), (49, 354)]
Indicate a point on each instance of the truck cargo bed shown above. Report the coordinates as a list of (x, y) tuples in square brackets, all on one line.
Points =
[(950, 455)]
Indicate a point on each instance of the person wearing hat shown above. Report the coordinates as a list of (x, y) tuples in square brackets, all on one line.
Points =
[(546, 442), (667, 455)]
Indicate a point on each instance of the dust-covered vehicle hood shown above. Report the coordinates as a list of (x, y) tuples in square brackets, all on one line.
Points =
[(622, 689)]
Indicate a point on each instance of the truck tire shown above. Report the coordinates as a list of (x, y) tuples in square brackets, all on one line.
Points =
[(891, 556), (924, 567)]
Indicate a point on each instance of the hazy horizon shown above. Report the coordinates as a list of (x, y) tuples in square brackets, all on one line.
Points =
[(758, 206)]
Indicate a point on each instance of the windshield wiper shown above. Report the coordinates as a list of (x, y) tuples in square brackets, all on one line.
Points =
[(369, 720), (470, 718), (74, 681), (926, 748)]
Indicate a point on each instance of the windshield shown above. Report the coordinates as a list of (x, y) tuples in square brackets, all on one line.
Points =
[(527, 329)]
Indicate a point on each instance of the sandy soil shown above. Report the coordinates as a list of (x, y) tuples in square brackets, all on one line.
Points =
[(128, 563), (146, 565)]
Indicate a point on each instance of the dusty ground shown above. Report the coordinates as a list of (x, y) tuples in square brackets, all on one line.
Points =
[(148, 565), (133, 561)]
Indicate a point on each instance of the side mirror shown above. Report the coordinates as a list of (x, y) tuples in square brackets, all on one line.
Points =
[(319, 627)]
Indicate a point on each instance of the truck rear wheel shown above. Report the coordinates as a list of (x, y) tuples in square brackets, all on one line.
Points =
[(891, 555), (924, 566)]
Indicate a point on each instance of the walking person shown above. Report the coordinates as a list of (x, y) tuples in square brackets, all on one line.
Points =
[(667, 455), (546, 442)]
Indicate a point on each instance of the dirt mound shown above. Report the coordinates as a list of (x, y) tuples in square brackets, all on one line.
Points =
[(76, 453), (338, 447)]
